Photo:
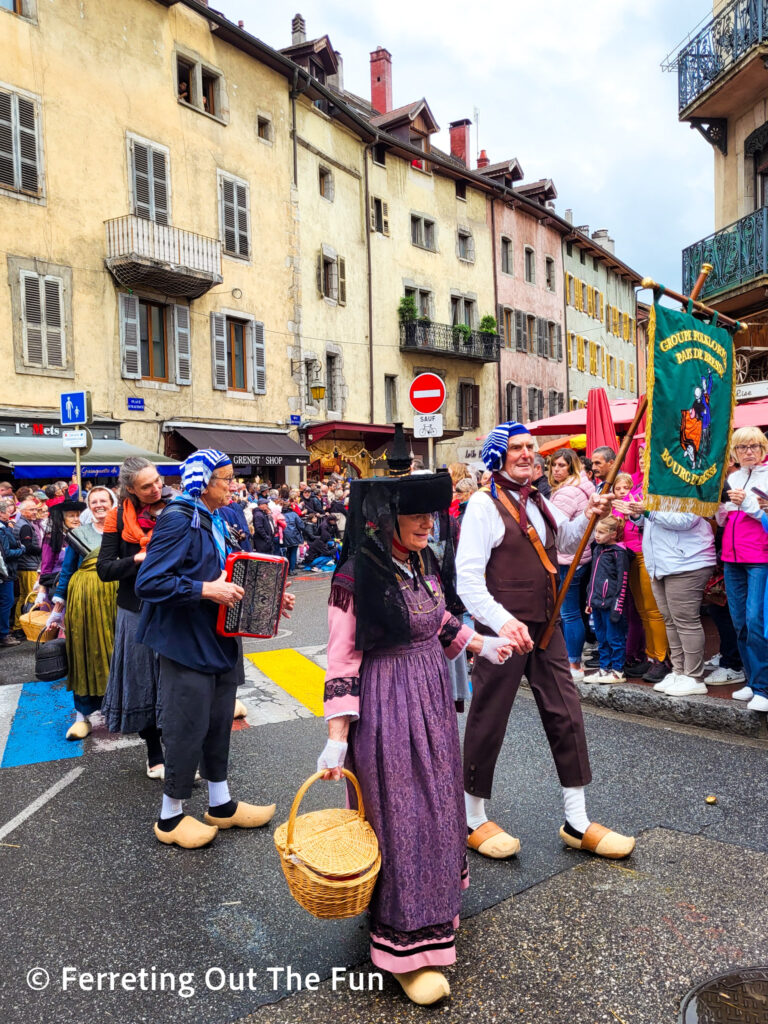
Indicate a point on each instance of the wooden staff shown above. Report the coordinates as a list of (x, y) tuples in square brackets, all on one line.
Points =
[(642, 405)]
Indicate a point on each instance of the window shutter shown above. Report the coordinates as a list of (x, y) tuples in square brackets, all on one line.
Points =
[(471, 248), (567, 288), (183, 344), (559, 343), (500, 325), (28, 145), (243, 218), (385, 217), (141, 192), (130, 354), (259, 359), (531, 403), (320, 273), (219, 351), (159, 186), (541, 333), (54, 324), (520, 330), (577, 302), (372, 203), (519, 398), (7, 176), (602, 307), (475, 396), (33, 320), (342, 279), (541, 403), (228, 214)]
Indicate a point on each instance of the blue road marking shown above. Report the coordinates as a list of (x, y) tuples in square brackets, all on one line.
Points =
[(43, 715)]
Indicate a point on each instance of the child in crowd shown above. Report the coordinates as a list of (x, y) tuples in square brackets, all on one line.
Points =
[(622, 485), (607, 601)]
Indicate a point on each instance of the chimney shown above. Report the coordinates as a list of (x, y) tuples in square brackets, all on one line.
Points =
[(298, 30), (603, 240), (460, 139), (569, 216), (583, 228), (482, 160), (381, 80), (338, 78), (241, 24)]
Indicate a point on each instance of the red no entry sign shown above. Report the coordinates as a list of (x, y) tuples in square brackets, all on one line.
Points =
[(427, 393)]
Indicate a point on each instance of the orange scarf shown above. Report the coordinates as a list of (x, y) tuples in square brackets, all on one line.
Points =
[(132, 532)]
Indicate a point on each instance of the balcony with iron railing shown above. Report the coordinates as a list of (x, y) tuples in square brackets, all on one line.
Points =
[(423, 336), (176, 262), (738, 254), (729, 49)]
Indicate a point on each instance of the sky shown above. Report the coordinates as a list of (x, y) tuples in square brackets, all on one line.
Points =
[(572, 88)]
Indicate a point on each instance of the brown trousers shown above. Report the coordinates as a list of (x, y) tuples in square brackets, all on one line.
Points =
[(494, 688)]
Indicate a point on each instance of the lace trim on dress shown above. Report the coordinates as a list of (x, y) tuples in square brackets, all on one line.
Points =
[(449, 632), (342, 686), (430, 933)]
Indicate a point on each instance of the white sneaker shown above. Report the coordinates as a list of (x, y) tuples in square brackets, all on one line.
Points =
[(686, 686), (713, 662), (669, 678), (721, 676), (612, 676), (758, 703), (745, 693), (577, 675), (595, 677)]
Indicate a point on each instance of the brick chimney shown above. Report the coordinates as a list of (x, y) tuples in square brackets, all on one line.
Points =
[(482, 160), (460, 139), (298, 30), (381, 80)]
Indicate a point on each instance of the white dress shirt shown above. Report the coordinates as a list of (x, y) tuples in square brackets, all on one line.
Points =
[(482, 530)]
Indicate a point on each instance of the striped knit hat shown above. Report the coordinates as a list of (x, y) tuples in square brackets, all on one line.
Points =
[(494, 450), (196, 472)]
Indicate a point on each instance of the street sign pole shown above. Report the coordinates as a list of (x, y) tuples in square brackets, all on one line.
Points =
[(77, 473), (431, 454)]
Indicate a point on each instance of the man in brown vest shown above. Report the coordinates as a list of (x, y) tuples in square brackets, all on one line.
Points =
[(506, 566)]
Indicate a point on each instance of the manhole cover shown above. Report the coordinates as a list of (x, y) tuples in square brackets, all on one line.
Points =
[(739, 997)]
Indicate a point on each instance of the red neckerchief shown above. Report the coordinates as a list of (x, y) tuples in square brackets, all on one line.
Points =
[(523, 493)]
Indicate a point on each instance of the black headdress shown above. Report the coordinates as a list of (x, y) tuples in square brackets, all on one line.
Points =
[(367, 575)]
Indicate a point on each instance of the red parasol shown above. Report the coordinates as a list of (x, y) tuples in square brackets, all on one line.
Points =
[(600, 429), (632, 461)]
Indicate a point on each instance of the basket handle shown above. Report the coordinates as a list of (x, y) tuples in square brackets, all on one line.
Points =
[(300, 796)]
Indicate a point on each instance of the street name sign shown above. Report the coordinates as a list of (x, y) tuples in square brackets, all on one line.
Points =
[(427, 393), (428, 424)]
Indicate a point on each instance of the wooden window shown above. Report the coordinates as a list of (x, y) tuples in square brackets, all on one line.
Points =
[(237, 364), (569, 248), (466, 246), (531, 333), (508, 327), (380, 154), (42, 314), (577, 293), (584, 295), (590, 300), (423, 232), (424, 303), (150, 182), (325, 178), (461, 190), (521, 338), (470, 312), (185, 76), (506, 256), (514, 401), (469, 406), (530, 265), (19, 148), (582, 256), (379, 216), (622, 371), (210, 89), (332, 389), (549, 267), (535, 403), (554, 402), (390, 398), (574, 404), (234, 216), (625, 326), (332, 277), (153, 341), (264, 128), (593, 358), (632, 331), (569, 347)]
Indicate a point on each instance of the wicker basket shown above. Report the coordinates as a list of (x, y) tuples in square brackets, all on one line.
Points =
[(330, 858), (33, 622)]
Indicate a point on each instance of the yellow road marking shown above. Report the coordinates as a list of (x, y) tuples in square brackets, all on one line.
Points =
[(297, 675)]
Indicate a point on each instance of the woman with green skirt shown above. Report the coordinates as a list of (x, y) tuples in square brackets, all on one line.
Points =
[(87, 609)]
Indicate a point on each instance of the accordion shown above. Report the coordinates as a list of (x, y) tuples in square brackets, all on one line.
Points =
[(262, 577)]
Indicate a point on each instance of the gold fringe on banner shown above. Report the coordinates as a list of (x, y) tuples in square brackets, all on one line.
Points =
[(660, 502)]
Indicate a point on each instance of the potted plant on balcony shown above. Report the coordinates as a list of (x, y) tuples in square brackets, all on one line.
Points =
[(461, 333), (488, 331), (408, 315)]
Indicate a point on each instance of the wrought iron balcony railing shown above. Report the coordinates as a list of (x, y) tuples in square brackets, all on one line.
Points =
[(719, 45), (445, 340), (738, 254), (181, 263)]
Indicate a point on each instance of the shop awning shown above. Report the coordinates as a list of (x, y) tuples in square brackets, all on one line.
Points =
[(373, 435), (247, 447), (46, 458)]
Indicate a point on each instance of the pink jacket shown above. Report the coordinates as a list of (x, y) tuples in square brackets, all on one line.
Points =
[(744, 539), (633, 535), (572, 499)]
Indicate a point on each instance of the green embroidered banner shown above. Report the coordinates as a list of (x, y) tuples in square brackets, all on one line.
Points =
[(690, 412)]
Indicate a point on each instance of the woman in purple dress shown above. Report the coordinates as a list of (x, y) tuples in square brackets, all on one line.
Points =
[(392, 721)]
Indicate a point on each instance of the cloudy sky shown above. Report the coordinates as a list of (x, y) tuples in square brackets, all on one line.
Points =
[(572, 88)]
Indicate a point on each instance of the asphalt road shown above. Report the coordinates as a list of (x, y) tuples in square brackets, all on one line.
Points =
[(552, 935)]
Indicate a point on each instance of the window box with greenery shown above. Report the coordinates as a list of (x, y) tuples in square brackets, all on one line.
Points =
[(462, 333), (489, 330), (409, 315)]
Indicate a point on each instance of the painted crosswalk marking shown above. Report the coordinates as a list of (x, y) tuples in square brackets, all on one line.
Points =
[(293, 672)]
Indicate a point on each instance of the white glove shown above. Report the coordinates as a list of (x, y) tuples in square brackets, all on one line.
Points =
[(490, 649), (56, 618), (332, 756)]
